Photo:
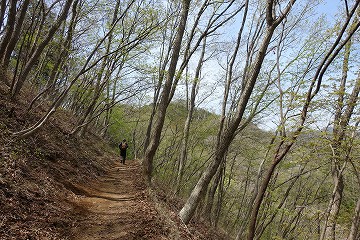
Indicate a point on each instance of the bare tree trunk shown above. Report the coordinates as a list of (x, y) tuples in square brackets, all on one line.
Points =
[(2, 12), (134, 143), (66, 45), (355, 225), (285, 144), (207, 212), (10, 26), (101, 80), (354, 231), (341, 121), (259, 198), (65, 50), (110, 101), (189, 51), (191, 105), (58, 101), (18, 83), (164, 60), (334, 206), (220, 198), (229, 77), (282, 202), (151, 120), (5, 60), (6, 35), (189, 208), (165, 94)]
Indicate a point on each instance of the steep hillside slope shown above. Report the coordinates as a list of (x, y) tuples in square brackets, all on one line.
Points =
[(36, 174), (55, 186)]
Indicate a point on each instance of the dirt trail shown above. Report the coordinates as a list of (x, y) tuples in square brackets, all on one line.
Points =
[(117, 206)]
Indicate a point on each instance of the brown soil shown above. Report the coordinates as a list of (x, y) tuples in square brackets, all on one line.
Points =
[(55, 186), (117, 206)]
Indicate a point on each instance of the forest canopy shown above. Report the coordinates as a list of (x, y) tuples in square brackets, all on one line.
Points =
[(246, 110)]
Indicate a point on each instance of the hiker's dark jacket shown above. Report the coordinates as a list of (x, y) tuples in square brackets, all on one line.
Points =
[(123, 149)]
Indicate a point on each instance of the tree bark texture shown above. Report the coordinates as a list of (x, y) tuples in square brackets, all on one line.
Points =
[(10, 26), (165, 94), (2, 11), (18, 83), (344, 112), (191, 106), (5, 60), (189, 208), (284, 147), (354, 231)]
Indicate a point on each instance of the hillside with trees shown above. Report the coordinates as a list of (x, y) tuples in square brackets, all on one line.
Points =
[(241, 116)]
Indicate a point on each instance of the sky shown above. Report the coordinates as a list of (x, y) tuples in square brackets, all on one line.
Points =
[(328, 8)]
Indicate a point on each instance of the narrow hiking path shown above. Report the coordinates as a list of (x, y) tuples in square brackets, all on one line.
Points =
[(117, 206)]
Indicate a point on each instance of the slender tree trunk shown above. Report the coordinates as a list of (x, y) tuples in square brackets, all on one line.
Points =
[(207, 212), (187, 211), (6, 34), (229, 78), (5, 60), (286, 144), (18, 83), (134, 143), (190, 51), (2, 12), (189, 208), (83, 123), (240, 232), (259, 198), (354, 231), (154, 107), (191, 104), (341, 121), (164, 98), (164, 59), (9, 29), (66, 45), (58, 101), (150, 125), (102, 78), (334, 207), (111, 99), (65, 50), (220, 198)]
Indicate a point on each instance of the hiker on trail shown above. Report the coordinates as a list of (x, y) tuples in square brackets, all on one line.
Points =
[(123, 146)]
